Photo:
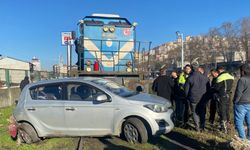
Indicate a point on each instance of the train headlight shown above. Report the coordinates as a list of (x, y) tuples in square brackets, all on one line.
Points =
[(88, 69), (105, 29), (129, 69), (88, 66), (129, 66), (112, 29)]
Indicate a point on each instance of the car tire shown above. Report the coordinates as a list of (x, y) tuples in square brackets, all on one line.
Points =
[(134, 131), (28, 134)]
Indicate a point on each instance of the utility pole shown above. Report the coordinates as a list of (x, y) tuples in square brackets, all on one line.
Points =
[(67, 40), (180, 35), (69, 60)]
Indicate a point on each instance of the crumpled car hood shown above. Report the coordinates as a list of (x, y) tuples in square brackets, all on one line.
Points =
[(148, 98)]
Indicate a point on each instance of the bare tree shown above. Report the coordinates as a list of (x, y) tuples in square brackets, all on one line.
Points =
[(198, 48), (245, 35), (230, 40), (224, 41), (174, 56), (214, 44)]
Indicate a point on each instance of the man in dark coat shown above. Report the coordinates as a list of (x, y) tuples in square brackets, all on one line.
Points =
[(195, 90), (24, 82), (213, 96), (163, 85)]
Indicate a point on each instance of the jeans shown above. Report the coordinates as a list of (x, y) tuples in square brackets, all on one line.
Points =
[(195, 112), (199, 113), (241, 113)]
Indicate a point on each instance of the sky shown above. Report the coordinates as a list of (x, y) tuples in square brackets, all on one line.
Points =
[(31, 28)]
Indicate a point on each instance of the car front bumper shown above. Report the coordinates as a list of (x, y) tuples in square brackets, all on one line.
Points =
[(162, 123)]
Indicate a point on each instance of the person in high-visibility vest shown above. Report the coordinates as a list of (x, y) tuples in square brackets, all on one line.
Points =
[(223, 86), (181, 103)]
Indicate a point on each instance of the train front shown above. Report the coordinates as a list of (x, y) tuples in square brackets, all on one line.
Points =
[(105, 43)]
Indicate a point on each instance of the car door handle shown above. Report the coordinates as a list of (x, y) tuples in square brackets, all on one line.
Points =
[(70, 109), (31, 109)]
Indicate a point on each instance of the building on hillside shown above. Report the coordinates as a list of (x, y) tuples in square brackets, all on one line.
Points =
[(206, 49)]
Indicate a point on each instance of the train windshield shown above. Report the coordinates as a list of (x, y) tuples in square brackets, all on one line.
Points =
[(118, 22)]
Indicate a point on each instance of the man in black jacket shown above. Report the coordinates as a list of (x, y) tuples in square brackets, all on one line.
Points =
[(223, 87), (195, 90), (24, 82), (212, 95), (242, 102), (174, 77), (163, 84)]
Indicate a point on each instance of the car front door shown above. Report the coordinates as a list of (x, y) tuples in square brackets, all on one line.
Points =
[(45, 109), (83, 114)]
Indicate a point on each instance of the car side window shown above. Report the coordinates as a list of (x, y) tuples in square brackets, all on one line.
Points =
[(47, 92), (82, 92)]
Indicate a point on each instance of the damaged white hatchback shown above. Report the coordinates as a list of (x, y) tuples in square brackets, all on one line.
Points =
[(88, 107)]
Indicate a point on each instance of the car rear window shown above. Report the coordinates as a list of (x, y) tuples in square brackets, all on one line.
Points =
[(47, 92)]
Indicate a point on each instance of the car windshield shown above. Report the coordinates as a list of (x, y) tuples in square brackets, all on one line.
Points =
[(115, 88)]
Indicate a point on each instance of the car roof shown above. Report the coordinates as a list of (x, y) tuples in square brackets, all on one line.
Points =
[(70, 79)]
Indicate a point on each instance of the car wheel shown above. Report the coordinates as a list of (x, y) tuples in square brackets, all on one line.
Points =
[(135, 131), (27, 133)]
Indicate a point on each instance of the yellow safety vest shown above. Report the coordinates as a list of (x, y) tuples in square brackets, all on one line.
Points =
[(182, 79), (223, 77)]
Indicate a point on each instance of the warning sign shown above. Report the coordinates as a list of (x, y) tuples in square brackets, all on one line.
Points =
[(67, 38)]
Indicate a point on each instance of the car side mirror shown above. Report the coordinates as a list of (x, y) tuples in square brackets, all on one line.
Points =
[(139, 88), (16, 102), (102, 98)]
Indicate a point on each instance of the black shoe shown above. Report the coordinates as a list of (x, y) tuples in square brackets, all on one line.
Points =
[(203, 130), (197, 129), (178, 123)]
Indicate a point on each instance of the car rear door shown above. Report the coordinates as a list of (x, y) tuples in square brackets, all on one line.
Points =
[(83, 115), (45, 108)]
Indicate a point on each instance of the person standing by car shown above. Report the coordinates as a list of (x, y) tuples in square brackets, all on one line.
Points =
[(223, 87), (174, 77), (242, 102), (163, 84), (182, 111), (24, 82), (213, 96), (195, 90)]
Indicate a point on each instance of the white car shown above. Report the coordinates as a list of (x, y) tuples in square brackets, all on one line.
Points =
[(88, 107)]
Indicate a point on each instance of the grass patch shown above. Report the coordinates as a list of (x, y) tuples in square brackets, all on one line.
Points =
[(7, 143), (205, 139)]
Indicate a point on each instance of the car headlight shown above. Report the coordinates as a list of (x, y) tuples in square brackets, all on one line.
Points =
[(157, 107)]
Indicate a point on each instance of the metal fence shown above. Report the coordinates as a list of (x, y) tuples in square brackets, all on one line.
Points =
[(13, 77)]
